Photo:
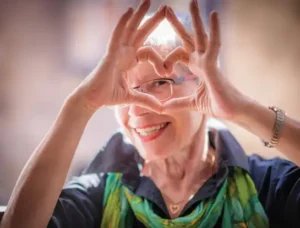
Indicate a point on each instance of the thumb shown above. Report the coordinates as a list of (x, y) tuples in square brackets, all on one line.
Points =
[(145, 101), (175, 56), (152, 56)]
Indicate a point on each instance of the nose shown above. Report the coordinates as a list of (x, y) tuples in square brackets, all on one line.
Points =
[(135, 110)]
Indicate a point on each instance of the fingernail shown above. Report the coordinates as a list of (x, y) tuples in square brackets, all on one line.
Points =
[(170, 10), (130, 9), (164, 8), (161, 8)]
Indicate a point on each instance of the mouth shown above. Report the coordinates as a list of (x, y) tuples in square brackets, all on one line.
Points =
[(152, 132)]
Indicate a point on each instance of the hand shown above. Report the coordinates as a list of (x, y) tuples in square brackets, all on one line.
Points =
[(107, 84), (215, 96)]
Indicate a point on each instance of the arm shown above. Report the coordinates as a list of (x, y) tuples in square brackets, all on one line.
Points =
[(278, 185), (260, 120), (42, 179)]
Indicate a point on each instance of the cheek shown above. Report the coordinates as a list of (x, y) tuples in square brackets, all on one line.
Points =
[(186, 125), (188, 88)]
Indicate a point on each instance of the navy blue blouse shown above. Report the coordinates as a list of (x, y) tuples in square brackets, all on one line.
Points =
[(277, 182)]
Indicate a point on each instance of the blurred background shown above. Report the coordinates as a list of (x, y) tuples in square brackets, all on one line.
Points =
[(48, 47)]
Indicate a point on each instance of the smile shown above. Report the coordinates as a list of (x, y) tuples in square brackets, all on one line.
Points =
[(151, 132)]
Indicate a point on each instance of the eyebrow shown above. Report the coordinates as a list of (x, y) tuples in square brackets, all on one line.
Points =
[(149, 77), (141, 79), (184, 78)]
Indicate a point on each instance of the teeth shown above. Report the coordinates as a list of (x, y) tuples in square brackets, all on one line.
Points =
[(150, 130)]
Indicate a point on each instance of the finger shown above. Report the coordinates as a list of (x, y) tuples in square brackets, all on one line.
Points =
[(179, 104), (152, 56), (214, 43), (148, 27), (177, 55), (198, 26), (135, 21), (145, 100), (119, 29), (185, 37)]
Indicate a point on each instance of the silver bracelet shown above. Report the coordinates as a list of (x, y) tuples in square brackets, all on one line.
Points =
[(277, 129)]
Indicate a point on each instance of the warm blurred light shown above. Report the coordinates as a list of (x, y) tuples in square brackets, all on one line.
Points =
[(163, 34)]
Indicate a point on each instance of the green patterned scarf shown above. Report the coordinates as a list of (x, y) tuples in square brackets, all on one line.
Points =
[(237, 202)]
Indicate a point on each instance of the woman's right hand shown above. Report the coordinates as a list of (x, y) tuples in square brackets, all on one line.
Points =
[(106, 85)]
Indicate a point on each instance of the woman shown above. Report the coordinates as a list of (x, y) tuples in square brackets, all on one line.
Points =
[(185, 175)]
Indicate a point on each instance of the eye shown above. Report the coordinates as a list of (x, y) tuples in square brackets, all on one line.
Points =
[(159, 83)]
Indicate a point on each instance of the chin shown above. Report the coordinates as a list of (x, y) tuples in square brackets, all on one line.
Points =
[(155, 152)]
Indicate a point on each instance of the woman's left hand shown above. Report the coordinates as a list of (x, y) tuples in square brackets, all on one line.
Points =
[(215, 96)]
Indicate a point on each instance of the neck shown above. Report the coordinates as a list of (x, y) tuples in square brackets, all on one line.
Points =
[(184, 169)]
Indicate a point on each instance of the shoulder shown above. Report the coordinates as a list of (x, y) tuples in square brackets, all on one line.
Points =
[(275, 168), (87, 182), (272, 173), (259, 160), (85, 190), (116, 156), (80, 202), (277, 181)]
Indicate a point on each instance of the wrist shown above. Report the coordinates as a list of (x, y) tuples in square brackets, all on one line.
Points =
[(256, 118), (74, 106), (247, 109)]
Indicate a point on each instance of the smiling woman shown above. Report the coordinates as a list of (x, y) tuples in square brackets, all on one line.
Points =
[(176, 169)]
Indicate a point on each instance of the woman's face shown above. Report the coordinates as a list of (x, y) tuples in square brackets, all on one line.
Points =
[(156, 136)]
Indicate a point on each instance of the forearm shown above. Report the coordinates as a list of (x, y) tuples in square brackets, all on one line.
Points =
[(41, 180), (260, 120)]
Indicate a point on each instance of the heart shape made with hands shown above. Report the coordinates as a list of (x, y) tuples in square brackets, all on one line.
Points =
[(164, 58), (199, 53), (162, 66), (165, 67)]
